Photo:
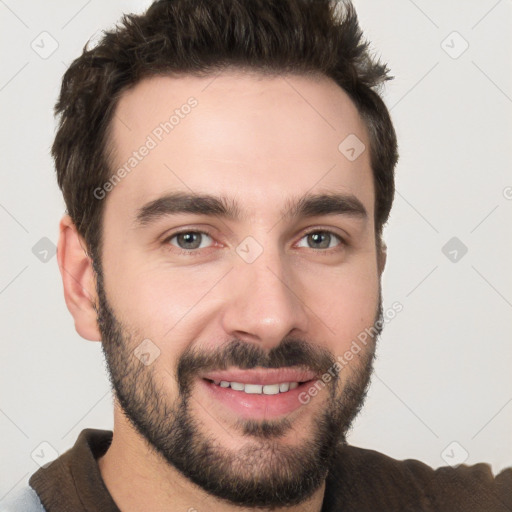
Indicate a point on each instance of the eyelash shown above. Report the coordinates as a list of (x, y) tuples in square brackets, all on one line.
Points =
[(193, 252)]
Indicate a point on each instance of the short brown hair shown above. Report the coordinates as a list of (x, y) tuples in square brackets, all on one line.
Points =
[(204, 37)]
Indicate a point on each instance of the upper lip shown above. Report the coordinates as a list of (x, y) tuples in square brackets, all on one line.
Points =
[(261, 375)]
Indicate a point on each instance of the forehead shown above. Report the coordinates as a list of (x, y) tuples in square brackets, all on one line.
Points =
[(259, 138)]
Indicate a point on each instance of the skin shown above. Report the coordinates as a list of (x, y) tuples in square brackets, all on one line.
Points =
[(258, 141)]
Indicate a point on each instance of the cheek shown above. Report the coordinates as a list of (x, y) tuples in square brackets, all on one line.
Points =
[(162, 302), (346, 303)]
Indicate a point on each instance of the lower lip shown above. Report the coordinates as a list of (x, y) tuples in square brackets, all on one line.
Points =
[(256, 405)]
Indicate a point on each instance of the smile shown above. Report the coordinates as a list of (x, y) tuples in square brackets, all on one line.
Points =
[(260, 395), (258, 389)]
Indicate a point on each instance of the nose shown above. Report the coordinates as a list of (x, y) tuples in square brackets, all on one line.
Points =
[(265, 303)]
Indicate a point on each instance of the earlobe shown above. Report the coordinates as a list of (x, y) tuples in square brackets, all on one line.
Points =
[(78, 280), (382, 257)]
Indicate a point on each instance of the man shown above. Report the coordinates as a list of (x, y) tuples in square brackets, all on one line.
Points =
[(228, 168)]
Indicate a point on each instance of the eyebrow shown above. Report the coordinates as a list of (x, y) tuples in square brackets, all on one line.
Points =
[(308, 205)]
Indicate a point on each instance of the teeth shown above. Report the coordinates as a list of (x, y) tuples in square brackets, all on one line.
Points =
[(258, 389), (271, 389)]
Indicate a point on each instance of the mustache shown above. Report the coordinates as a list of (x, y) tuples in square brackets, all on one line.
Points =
[(291, 352)]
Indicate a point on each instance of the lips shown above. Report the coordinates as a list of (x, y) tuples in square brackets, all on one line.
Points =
[(253, 406), (261, 376), (228, 388)]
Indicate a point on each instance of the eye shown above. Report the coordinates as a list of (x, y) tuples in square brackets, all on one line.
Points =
[(321, 240), (190, 240)]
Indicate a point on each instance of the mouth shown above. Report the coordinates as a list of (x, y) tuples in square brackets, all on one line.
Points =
[(258, 389), (258, 394)]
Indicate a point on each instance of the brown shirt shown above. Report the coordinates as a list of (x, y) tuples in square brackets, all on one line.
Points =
[(361, 481)]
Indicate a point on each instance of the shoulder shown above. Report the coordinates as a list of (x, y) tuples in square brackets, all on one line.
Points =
[(371, 479), (24, 500)]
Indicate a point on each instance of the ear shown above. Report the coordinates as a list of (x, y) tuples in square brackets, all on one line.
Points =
[(78, 279), (382, 255)]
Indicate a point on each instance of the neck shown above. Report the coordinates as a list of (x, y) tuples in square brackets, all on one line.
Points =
[(139, 478)]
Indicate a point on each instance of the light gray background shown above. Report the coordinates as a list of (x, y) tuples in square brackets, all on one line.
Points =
[(443, 368)]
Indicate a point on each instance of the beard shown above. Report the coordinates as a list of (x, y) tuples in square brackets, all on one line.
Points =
[(264, 473)]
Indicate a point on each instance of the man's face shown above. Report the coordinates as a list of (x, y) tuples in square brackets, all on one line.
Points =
[(258, 284)]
